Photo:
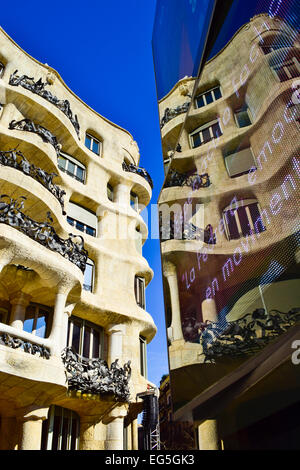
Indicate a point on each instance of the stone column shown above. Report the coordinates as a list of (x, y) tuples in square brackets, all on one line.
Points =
[(115, 428), (92, 433), (115, 344), (31, 434), (129, 437), (65, 323), (59, 325), (8, 434), (209, 310), (122, 195), (169, 271), (19, 303), (134, 434), (208, 435)]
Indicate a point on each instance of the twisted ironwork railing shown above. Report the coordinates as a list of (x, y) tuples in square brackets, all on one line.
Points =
[(171, 113), (94, 376), (26, 346), (15, 159), (187, 231), (29, 126), (245, 336), (38, 87), (11, 214), (130, 167), (194, 181)]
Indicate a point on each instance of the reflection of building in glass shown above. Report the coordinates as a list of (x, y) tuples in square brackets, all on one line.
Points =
[(72, 283), (231, 285)]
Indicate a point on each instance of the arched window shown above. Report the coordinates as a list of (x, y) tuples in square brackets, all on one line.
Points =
[(205, 133), (61, 430)]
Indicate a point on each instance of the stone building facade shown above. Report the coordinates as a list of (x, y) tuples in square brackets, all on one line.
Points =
[(230, 232), (73, 324)]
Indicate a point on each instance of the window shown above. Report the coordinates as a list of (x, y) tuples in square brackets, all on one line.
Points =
[(134, 201), (1, 69), (36, 320), (139, 290), (243, 219), (85, 337), (242, 117), (3, 315), (61, 430), (82, 227), (239, 162), (110, 192), (88, 281), (205, 134), (72, 167), (208, 97), (92, 144), (82, 219), (287, 70), (143, 356), (274, 43)]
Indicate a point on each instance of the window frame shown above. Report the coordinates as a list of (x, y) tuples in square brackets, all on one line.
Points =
[(110, 189), (236, 153), (93, 139), (85, 226), (234, 208), (139, 290), (201, 129), (84, 324), (90, 262), (292, 61), (143, 356), (72, 160), (48, 428), (135, 205), (203, 95), (37, 308), (244, 109)]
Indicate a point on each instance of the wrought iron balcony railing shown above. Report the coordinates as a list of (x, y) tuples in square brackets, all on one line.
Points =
[(245, 336), (15, 159), (187, 231), (130, 167), (38, 88), (43, 233), (95, 377), (26, 346), (194, 181), (172, 113), (29, 126)]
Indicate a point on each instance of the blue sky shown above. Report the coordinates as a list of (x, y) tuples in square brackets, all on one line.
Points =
[(102, 50)]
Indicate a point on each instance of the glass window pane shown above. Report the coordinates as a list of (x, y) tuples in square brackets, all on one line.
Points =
[(196, 140), (62, 163), (88, 276), (71, 168), (40, 329), (96, 344), (200, 101), (217, 93), (28, 325), (243, 118), (244, 221), (96, 147), (90, 231), (232, 225), (216, 130), (80, 173), (206, 135), (209, 97), (79, 226), (74, 432), (76, 337), (70, 220), (64, 434), (56, 432), (86, 342), (88, 141)]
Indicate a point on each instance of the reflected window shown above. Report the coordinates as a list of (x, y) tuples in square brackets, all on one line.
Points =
[(93, 144), (274, 43), (85, 337), (139, 290), (243, 219), (208, 97), (205, 134), (88, 282), (287, 70), (36, 320), (240, 162), (61, 430), (143, 356), (72, 167), (242, 117)]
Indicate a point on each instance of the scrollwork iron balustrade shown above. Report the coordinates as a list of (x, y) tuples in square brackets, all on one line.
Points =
[(95, 377), (172, 113), (246, 335), (15, 159), (38, 88), (26, 346), (43, 233), (29, 126), (189, 232), (130, 167), (194, 181)]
